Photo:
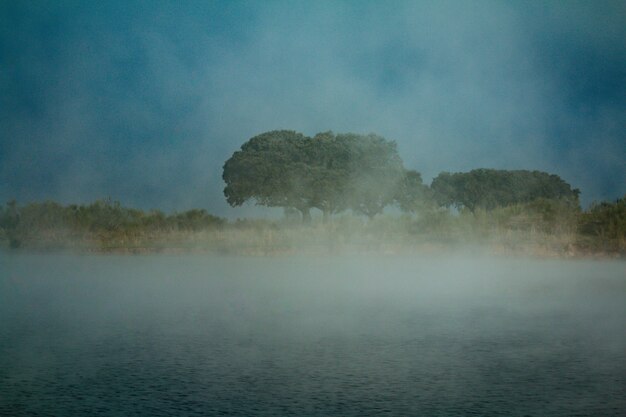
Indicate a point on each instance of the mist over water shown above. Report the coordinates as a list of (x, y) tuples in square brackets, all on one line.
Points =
[(144, 102), (202, 335)]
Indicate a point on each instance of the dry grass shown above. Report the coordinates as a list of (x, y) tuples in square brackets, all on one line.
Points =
[(347, 234)]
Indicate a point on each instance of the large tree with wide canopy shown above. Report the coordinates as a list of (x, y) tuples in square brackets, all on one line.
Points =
[(330, 172)]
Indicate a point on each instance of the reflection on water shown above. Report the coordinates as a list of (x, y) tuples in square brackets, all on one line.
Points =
[(195, 335)]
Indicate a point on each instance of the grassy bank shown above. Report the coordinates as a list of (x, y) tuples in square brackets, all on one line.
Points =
[(543, 229)]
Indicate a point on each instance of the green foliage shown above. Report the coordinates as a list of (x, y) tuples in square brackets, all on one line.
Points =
[(412, 195), (329, 172), (374, 171), (546, 227), (105, 215), (9, 222), (104, 220), (542, 215), (269, 168), (328, 158), (489, 188), (9, 216), (195, 220), (603, 226)]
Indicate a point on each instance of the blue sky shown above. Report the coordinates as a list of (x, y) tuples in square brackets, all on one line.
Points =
[(144, 101)]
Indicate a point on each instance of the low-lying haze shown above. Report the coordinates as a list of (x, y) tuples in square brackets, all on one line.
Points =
[(144, 101), (317, 336)]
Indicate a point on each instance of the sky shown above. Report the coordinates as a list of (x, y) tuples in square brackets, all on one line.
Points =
[(143, 101)]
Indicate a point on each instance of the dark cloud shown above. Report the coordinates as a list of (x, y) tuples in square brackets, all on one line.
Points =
[(144, 101)]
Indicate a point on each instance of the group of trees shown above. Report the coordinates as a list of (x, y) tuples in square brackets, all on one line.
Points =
[(98, 218), (490, 188), (333, 173), (605, 222), (9, 220), (364, 173), (330, 172)]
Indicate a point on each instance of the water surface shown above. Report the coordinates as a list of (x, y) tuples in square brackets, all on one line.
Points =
[(201, 335)]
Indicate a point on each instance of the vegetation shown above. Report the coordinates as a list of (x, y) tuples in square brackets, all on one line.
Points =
[(101, 224), (603, 227), (489, 188), (543, 227), (351, 178), (329, 172)]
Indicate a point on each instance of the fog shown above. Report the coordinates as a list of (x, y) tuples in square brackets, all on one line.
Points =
[(144, 101), (350, 335)]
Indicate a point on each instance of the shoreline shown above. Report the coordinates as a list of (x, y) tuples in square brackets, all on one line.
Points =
[(435, 249)]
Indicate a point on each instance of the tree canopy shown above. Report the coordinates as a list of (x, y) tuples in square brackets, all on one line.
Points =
[(364, 173), (606, 220), (270, 168), (330, 172), (411, 194), (491, 188)]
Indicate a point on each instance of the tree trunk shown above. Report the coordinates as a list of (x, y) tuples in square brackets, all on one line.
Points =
[(326, 216), (306, 215)]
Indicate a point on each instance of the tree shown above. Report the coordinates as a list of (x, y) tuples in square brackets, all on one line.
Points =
[(411, 194), (490, 188), (328, 160), (605, 222), (9, 221), (374, 172), (351, 171), (329, 172), (444, 188), (270, 168)]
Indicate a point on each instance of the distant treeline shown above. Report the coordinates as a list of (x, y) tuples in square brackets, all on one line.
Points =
[(345, 176), (542, 225), (103, 218), (364, 174), (603, 226), (490, 188)]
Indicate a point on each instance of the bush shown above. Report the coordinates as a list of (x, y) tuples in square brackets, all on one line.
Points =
[(603, 226)]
